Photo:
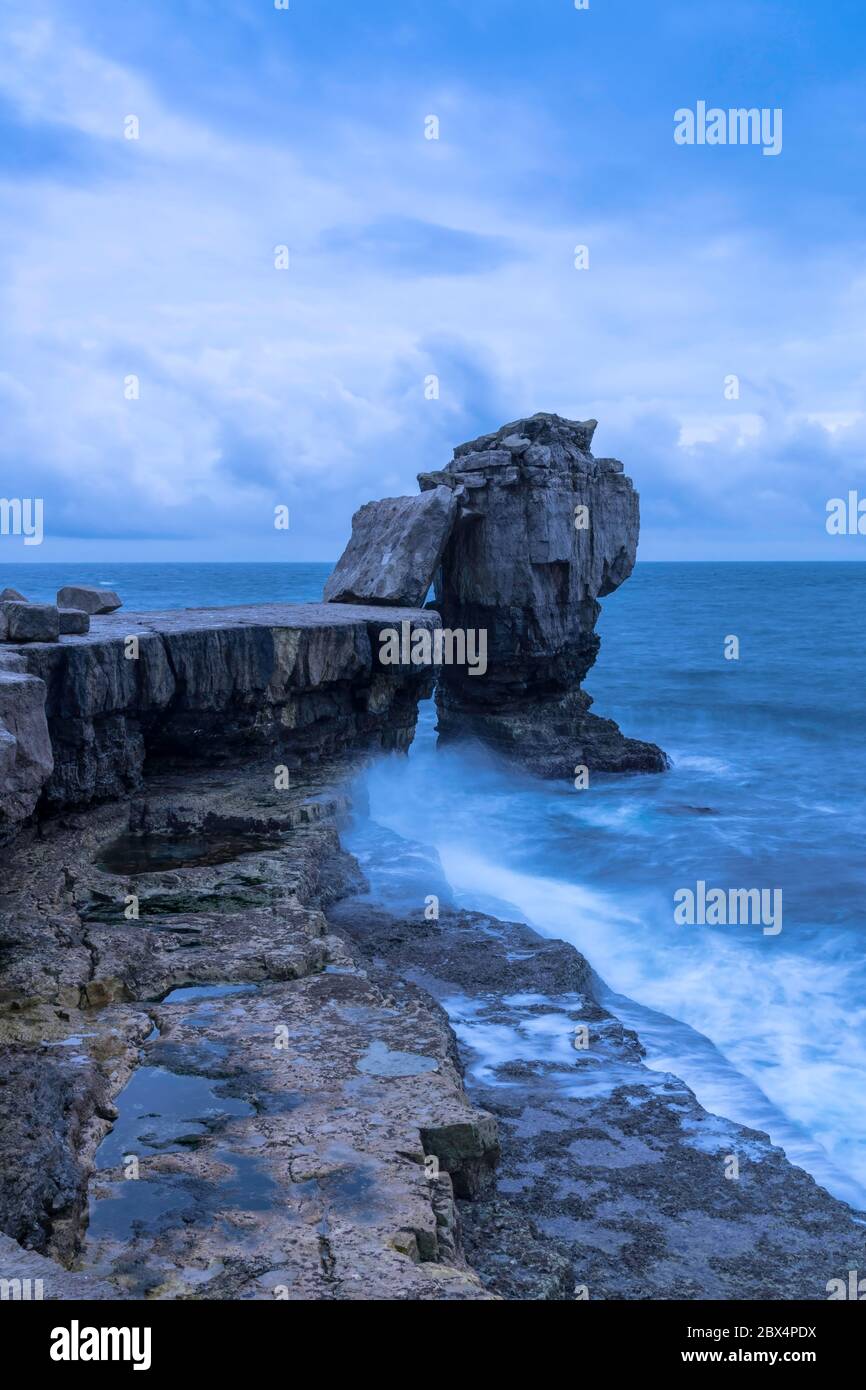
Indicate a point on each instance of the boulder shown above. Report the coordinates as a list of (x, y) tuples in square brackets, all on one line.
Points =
[(11, 596), (31, 622), (74, 622), (394, 551), (88, 598)]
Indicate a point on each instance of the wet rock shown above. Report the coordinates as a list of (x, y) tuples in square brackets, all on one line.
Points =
[(307, 1133), (379, 1060), (613, 1181), (73, 935), (551, 736), (31, 1277), (88, 598), (305, 1128), (11, 596), (394, 551), (544, 531), (54, 1106), (320, 1186)]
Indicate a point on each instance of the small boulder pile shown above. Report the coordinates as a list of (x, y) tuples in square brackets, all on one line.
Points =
[(22, 621)]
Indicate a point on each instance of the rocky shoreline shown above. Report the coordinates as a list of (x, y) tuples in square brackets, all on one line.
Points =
[(310, 1096), (613, 1181), (267, 1086)]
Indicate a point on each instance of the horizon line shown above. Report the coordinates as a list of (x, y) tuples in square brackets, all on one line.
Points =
[(32, 564)]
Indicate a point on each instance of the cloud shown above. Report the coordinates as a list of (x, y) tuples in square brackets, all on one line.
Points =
[(155, 258), (411, 246)]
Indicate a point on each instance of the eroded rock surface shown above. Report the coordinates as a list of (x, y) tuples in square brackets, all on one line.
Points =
[(300, 1129), (613, 1181), (544, 530), (26, 757), (287, 1167), (199, 685), (225, 1073), (394, 551), (30, 1276)]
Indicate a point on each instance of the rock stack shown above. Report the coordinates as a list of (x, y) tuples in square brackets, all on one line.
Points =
[(543, 531), (525, 530)]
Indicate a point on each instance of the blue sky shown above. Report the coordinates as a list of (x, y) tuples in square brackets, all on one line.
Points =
[(411, 257)]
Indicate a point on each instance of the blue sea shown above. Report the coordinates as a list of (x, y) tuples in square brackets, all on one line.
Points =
[(766, 790)]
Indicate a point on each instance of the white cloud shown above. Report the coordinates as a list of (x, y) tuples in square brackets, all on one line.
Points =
[(306, 386)]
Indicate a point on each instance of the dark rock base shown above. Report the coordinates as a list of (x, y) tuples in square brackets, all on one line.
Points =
[(551, 738)]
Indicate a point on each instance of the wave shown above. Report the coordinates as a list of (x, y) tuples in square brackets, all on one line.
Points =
[(763, 1040)]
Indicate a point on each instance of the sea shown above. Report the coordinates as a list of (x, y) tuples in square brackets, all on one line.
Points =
[(767, 739)]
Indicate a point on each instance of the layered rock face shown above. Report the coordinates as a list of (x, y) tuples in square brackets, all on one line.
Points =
[(79, 717), (543, 531), (26, 759)]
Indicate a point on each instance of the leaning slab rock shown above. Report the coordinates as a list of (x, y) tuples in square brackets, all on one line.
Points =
[(395, 549)]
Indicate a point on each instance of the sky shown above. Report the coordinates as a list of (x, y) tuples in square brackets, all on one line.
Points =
[(306, 387)]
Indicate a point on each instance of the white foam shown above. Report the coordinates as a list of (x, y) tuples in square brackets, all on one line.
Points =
[(775, 1015)]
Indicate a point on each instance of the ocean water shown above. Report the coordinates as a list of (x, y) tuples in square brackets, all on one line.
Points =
[(144, 587), (766, 791)]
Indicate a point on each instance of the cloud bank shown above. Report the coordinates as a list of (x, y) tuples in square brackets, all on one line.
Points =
[(164, 384)]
